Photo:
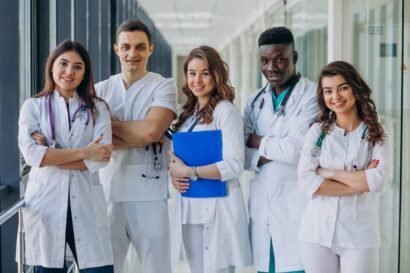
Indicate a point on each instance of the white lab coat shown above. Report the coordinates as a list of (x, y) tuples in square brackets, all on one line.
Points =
[(122, 178), (346, 221), (48, 188), (276, 204), (226, 238)]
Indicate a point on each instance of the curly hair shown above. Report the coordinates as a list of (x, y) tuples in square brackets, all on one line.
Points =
[(366, 108), (220, 79)]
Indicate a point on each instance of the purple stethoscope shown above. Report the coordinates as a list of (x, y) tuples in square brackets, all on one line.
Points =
[(81, 107)]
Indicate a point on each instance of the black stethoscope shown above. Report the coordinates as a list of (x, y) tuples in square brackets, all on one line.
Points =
[(281, 109), (82, 106)]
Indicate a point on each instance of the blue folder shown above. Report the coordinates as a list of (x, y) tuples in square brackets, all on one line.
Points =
[(198, 149)]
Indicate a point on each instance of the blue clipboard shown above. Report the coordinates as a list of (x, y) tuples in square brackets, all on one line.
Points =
[(197, 149)]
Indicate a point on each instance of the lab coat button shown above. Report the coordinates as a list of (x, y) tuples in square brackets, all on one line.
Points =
[(73, 196), (207, 228), (206, 248)]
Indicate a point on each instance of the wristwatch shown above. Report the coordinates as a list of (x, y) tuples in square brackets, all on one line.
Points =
[(194, 175)]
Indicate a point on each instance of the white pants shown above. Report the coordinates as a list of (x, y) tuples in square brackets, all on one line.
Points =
[(192, 236), (146, 226), (321, 259)]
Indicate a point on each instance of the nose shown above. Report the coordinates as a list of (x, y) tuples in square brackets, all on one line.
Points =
[(132, 52), (271, 66), (198, 78), (70, 70)]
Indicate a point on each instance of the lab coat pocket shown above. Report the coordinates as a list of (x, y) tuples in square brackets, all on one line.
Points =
[(100, 206)]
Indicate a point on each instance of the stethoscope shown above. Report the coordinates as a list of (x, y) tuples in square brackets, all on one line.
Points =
[(157, 160), (82, 106), (281, 109), (318, 146)]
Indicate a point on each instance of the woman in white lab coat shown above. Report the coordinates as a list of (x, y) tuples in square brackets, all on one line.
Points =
[(65, 136), (343, 161), (213, 231)]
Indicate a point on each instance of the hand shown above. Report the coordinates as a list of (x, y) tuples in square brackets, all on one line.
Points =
[(262, 161), (254, 141), (181, 184), (178, 167), (373, 164), (38, 138), (325, 173), (98, 152)]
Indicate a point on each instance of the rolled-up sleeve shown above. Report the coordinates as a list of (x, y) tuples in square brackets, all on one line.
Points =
[(378, 177), (28, 123), (102, 126), (231, 124), (309, 180), (165, 95)]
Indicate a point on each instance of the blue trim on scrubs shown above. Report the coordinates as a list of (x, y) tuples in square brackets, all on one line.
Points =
[(277, 100), (272, 262)]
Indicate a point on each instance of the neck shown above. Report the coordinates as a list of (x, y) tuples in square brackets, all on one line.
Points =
[(130, 78), (66, 94), (202, 102), (279, 89), (348, 122)]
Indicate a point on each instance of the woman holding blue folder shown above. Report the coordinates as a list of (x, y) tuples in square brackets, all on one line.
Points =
[(213, 231)]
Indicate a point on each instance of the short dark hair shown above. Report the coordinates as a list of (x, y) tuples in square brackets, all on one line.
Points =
[(132, 25), (276, 35)]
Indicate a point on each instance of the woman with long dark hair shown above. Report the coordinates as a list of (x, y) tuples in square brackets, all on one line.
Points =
[(212, 230), (343, 162), (65, 136)]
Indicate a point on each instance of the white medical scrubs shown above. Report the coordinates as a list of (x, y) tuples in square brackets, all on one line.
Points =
[(138, 207)]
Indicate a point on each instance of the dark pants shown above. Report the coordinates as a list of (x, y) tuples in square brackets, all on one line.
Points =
[(69, 237)]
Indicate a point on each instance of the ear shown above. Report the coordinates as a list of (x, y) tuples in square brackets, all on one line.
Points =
[(151, 49), (115, 46), (295, 56)]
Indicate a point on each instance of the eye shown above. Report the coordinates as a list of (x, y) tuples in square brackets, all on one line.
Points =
[(125, 47), (327, 91), (191, 73), (78, 67), (264, 61), (63, 63), (205, 73), (142, 47), (344, 88)]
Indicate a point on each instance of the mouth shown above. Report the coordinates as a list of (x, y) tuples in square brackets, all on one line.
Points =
[(338, 103), (274, 77), (65, 79)]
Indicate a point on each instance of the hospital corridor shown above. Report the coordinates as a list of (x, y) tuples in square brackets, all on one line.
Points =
[(218, 136)]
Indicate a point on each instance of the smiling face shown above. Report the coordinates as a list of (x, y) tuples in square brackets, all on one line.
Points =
[(338, 95), (68, 71), (133, 49), (278, 64), (199, 80)]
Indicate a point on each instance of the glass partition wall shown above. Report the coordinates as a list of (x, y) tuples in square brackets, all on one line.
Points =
[(372, 42)]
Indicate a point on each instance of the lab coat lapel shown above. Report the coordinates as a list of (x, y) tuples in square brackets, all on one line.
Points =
[(295, 96)]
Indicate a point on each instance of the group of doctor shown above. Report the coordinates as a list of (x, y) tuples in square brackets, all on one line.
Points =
[(100, 165)]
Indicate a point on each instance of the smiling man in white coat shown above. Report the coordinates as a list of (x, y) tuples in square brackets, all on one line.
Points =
[(277, 118), (142, 105)]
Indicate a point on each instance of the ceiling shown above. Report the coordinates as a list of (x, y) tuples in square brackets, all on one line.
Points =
[(186, 24)]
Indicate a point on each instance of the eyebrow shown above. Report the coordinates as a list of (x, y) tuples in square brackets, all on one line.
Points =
[(327, 87), (81, 63)]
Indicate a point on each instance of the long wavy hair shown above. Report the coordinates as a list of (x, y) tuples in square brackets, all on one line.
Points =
[(86, 89), (366, 108), (220, 79)]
